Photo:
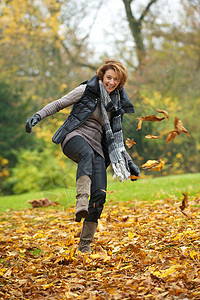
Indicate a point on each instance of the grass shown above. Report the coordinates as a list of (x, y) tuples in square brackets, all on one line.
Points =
[(157, 188), (149, 189)]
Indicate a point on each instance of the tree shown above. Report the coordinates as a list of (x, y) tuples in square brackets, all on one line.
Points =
[(12, 133), (135, 25)]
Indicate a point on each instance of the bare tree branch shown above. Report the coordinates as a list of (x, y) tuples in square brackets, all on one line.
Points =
[(136, 27), (146, 10)]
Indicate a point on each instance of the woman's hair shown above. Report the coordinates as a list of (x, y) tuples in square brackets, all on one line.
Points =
[(118, 67)]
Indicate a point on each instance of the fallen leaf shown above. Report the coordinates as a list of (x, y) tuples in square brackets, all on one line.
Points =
[(141, 250), (194, 255), (129, 142), (43, 202), (164, 112), (184, 213)]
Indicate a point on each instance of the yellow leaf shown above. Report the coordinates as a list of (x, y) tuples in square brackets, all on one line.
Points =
[(129, 142), (2, 271), (131, 235), (46, 286), (153, 137), (194, 255), (149, 164), (95, 256), (154, 165)]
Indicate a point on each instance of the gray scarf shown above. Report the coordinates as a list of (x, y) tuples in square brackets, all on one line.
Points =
[(114, 135)]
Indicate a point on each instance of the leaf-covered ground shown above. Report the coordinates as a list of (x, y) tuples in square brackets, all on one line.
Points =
[(140, 251)]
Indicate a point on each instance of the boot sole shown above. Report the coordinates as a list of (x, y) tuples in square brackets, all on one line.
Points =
[(80, 215)]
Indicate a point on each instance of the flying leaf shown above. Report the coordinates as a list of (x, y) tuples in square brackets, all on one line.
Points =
[(139, 123), (179, 126), (108, 192), (150, 118), (149, 164), (171, 135), (164, 112), (133, 177), (154, 165), (184, 203), (159, 167), (178, 129), (129, 142), (153, 137)]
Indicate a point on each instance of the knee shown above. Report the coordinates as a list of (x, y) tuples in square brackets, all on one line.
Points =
[(87, 155), (100, 196)]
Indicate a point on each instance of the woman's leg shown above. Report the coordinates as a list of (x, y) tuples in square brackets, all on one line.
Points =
[(80, 151), (96, 203), (98, 188)]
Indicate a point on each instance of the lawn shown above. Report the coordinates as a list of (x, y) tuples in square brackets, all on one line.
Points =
[(147, 189)]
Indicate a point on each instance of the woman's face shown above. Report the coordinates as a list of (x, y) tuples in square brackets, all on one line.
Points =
[(111, 80)]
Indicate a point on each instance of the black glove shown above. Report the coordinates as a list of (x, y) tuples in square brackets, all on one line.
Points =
[(32, 121), (134, 170)]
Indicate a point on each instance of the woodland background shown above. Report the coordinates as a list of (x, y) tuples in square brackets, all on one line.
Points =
[(46, 51)]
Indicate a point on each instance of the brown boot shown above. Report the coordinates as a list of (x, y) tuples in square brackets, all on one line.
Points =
[(83, 185), (87, 236)]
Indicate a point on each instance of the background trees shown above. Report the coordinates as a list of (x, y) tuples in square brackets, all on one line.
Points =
[(45, 51)]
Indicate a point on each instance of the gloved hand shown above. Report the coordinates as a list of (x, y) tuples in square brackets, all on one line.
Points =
[(32, 121), (134, 170)]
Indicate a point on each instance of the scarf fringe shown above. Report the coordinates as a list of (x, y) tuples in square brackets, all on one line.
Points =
[(120, 170)]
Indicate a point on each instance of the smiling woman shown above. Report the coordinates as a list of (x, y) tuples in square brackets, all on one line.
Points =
[(92, 137), (110, 80)]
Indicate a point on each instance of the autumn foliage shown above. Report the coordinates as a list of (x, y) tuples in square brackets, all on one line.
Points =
[(140, 251)]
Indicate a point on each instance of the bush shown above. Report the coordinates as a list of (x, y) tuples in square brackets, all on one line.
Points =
[(37, 171)]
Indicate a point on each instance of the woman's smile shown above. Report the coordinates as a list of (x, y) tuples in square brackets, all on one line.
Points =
[(110, 80)]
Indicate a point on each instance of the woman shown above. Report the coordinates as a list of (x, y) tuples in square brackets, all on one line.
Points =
[(92, 137)]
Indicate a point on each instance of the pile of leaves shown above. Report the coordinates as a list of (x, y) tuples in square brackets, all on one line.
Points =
[(140, 251)]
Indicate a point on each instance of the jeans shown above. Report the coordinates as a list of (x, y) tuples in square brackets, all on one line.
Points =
[(90, 163)]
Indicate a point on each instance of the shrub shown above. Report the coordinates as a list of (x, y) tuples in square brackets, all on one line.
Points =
[(42, 170)]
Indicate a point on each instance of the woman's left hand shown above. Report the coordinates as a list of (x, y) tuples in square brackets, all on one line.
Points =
[(134, 169)]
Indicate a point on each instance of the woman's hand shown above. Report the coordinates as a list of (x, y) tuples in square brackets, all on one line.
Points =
[(31, 122), (134, 170)]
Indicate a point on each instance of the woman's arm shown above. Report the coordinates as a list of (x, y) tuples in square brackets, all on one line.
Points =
[(65, 101)]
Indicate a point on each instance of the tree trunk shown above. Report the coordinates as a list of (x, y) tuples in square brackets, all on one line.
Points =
[(136, 28)]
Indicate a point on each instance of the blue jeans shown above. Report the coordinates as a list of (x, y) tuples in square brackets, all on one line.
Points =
[(90, 163)]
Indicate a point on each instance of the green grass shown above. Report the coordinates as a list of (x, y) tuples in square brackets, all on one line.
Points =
[(152, 189), (149, 189)]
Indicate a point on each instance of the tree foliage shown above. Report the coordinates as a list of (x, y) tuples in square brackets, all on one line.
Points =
[(44, 54)]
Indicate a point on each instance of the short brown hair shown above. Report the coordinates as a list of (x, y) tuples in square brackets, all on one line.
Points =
[(118, 67)]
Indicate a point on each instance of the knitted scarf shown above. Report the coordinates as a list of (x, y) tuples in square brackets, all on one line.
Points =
[(114, 135)]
